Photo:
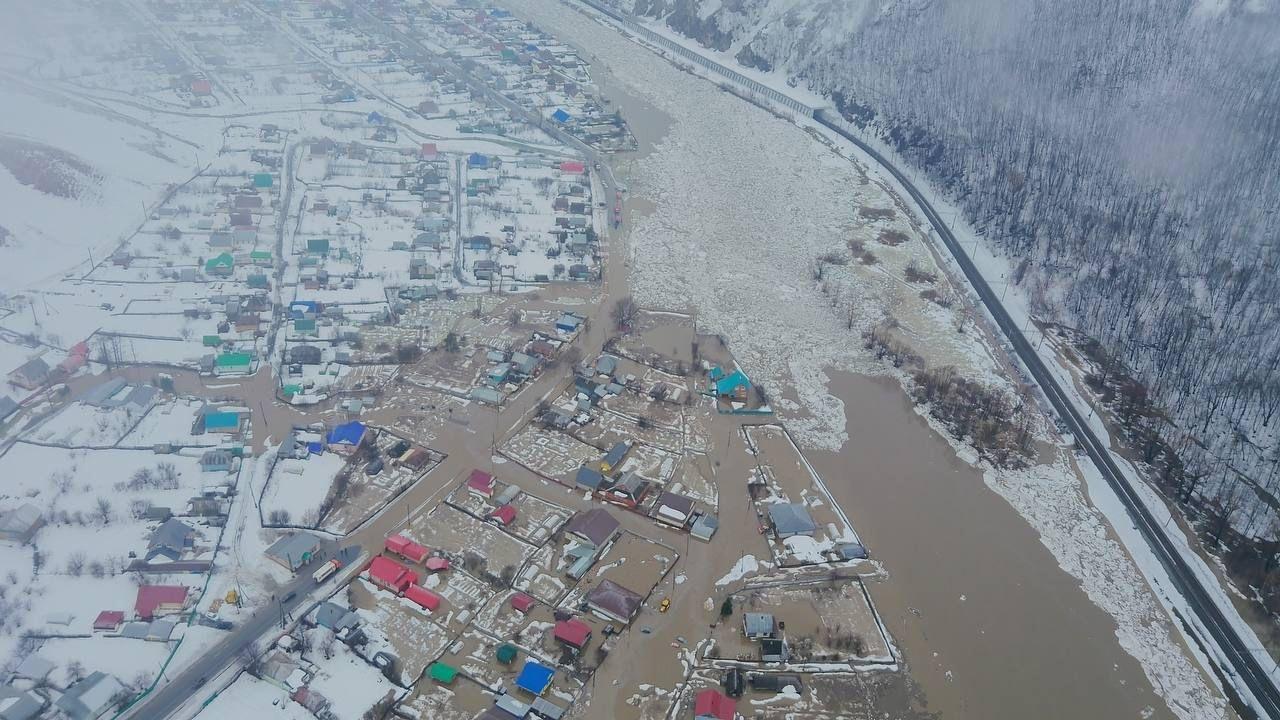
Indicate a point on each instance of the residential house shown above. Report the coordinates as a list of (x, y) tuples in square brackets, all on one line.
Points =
[(628, 491), (7, 407), (90, 698), (221, 421), (522, 602), (614, 457), (16, 704), (534, 677), (568, 323), (790, 519), (405, 548), (573, 632), (422, 597), (30, 374), (481, 483), (294, 550), (155, 600), (756, 626), (391, 575), (21, 523), (347, 438), (674, 509), (595, 527), (504, 515), (220, 266), (170, 540), (233, 362), (589, 478), (704, 527), (613, 601), (774, 650), (711, 704)]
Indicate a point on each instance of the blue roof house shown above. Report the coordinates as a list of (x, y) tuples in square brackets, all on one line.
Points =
[(560, 116), (729, 385), (478, 160), (534, 677), (346, 437)]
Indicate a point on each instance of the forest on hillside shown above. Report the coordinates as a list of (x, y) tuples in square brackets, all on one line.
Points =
[(1125, 156)]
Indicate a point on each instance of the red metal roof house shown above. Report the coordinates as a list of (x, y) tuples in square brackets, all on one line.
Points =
[(422, 597), (522, 602), (429, 151), (437, 564), (573, 632), (201, 87), (406, 548), (156, 600), (711, 704), (108, 620), (573, 167), (481, 483), (505, 515), (389, 574)]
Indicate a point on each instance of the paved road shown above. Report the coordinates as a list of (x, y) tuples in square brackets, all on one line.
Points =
[(175, 690), (1241, 662)]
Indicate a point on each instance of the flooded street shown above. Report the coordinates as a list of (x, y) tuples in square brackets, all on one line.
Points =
[(989, 624)]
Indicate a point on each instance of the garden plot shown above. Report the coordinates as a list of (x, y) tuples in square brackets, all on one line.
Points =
[(296, 490), (693, 479), (634, 562), (535, 520), (543, 576), (136, 662), (251, 697), (463, 699), (78, 481), (661, 340), (831, 622), (549, 453), (490, 550), (499, 619), (86, 426), (451, 372), (415, 638), (608, 428), (170, 423), (351, 685), (361, 494), (783, 476), (652, 463)]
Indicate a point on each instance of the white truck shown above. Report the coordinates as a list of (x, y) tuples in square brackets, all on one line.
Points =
[(325, 571)]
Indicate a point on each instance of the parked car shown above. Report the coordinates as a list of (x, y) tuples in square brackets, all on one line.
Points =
[(374, 467)]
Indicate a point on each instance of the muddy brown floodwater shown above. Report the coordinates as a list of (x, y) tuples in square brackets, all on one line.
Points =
[(990, 625)]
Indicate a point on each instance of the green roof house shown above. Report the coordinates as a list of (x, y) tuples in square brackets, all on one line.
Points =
[(259, 281), (507, 653), (212, 341), (260, 257), (222, 265), (262, 180), (442, 673), (291, 390), (318, 245), (235, 362), (305, 326)]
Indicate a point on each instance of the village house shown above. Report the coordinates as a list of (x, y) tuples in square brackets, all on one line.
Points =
[(21, 523), (613, 601), (170, 541), (347, 438), (573, 632), (481, 484), (711, 704), (629, 490), (595, 527), (91, 697), (673, 509), (614, 457), (756, 626), (295, 550), (156, 600), (30, 375), (405, 548), (791, 519), (391, 575)]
